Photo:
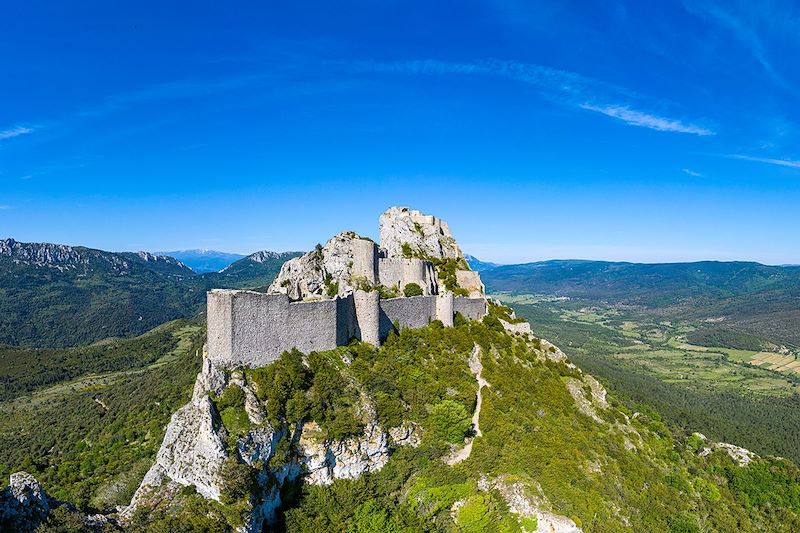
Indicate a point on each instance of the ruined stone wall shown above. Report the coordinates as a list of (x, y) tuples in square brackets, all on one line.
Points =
[(413, 312), (471, 308), (367, 314), (444, 308), (399, 271), (253, 329)]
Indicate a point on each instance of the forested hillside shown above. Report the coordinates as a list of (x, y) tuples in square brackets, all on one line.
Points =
[(55, 295), (757, 300), (553, 448)]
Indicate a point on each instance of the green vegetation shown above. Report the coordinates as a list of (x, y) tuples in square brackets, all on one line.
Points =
[(109, 295), (757, 303), (230, 406), (532, 436), (604, 477), (412, 289), (90, 442), (23, 370), (292, 391), (651, 365)]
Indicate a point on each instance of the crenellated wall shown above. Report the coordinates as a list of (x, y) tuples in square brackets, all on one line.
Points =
[(253, 329)]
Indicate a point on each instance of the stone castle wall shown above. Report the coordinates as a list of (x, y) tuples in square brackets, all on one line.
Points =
[(398, 272), (471, 308), (253, 329), (414, 312)]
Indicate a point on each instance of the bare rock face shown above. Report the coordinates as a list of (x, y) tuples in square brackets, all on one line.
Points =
[(23, 504), (528, 500), (406, 434), (350, 458), (426, 235), (323, 272), (191, 453)]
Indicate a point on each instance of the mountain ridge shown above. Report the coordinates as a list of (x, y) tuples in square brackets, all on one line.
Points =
[(55, 295)]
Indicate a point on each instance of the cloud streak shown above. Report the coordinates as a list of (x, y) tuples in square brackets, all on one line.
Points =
[(568, 88), (14, 132), (646, 120), (691, 172), (780, 162)]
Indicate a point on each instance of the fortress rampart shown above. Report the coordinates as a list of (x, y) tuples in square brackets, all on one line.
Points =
[(253, 329)]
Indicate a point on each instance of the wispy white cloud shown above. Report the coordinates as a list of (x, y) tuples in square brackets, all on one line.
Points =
[(5, 206), (780, 162), (646, 120), (691, 172), (14, 132), (562, 86)]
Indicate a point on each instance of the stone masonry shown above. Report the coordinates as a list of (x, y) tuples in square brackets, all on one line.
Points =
[(329, 296)]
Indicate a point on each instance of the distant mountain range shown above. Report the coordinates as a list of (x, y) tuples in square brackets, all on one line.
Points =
[(759, 299), (477, 265), (54, 295), (202, 261)]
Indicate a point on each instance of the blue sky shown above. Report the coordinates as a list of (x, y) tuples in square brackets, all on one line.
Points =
[(636, 131)]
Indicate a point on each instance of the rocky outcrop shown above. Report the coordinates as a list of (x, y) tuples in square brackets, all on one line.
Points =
[(196, 445), (23, 504), (69, 258), (425, 235), (325, 460), (322, 273), (741, 456), (192, 451), (526, 499), (406, 434)]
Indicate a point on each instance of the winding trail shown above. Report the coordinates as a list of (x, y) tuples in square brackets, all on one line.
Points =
[(476, 367)]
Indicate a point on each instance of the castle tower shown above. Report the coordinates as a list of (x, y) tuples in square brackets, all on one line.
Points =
[(414, 272), (365, 260), (444, 308), (368, 316)]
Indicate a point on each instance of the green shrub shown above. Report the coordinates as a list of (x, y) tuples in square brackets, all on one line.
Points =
[(371, 518), (412, 289), (233, 396), (450, 421), (238, 480)]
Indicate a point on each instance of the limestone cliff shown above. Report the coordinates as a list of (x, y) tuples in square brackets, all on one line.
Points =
[(404, 229), (326, 271), (197, 444)]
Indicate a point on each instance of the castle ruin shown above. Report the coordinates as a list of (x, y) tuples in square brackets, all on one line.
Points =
[(331, 295)]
